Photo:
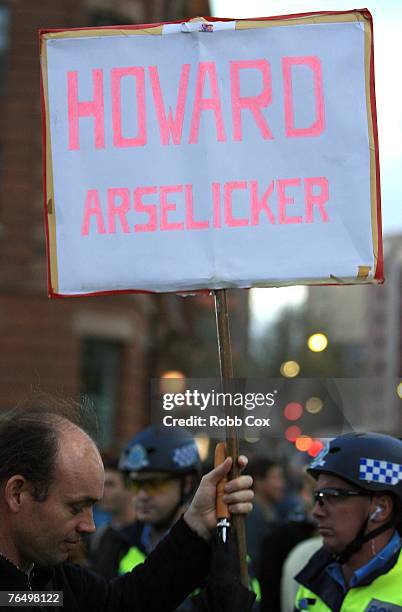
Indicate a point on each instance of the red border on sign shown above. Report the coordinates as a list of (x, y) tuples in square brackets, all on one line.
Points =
[(379, 270)]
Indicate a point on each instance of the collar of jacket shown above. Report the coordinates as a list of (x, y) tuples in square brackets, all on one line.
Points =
[(13, 578)]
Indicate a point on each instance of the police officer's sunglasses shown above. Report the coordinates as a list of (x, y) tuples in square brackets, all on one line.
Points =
[(150, 485), (332, 495)]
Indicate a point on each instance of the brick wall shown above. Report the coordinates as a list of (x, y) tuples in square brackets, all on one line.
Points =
[(41, 340)]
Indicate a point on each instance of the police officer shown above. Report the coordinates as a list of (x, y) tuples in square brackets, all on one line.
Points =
[(358, 507), (162, 467)]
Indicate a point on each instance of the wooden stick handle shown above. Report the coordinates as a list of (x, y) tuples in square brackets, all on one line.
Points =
[(222, 511), (232, 444)]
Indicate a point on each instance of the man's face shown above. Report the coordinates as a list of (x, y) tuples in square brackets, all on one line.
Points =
[(272, 486), (339, 519), (156, 497), (115, 493), (46, 532)]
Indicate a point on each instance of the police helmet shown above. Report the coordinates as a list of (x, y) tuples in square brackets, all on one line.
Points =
[(370, 461), (159, 449)]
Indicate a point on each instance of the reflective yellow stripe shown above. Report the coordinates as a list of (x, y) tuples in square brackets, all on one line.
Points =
[(255, 587), (254, 582), (133, 557)]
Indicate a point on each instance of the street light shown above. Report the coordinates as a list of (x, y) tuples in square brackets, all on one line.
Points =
[(315, 448), (293, 411), (303, 443), (290, 369), (292, 433), (172, 381), (317, 342), (314, 405)]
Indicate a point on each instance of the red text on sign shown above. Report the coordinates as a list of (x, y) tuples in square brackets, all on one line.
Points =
[(171, 123), (233, 204)]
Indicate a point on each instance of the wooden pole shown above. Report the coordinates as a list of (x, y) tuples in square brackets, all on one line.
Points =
[(232, 443)]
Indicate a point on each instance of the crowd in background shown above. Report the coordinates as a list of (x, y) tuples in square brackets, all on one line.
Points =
[(280, 531)]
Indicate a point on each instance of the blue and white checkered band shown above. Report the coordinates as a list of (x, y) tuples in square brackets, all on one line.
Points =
[(137, 457), (319, 461), (185, 455), (383, 472)]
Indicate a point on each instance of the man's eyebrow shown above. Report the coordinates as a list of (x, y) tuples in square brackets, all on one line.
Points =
[(85, 501)]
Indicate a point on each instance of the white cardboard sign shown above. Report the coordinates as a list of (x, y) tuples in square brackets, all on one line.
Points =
[(182, 158)]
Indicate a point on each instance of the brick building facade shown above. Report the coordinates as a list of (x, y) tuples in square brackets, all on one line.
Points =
[(105, 347)]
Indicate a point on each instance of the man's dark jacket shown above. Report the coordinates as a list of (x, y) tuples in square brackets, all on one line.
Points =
[(170, 572)]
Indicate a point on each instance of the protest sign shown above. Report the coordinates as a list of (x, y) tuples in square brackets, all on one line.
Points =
[(211, 155)]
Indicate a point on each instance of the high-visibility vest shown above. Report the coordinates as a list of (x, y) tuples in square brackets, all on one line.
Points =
[(134, 556), (384, 594)]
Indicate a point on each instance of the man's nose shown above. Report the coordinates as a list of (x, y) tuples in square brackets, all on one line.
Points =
[(142, 493), (318, 510), (87, 524)]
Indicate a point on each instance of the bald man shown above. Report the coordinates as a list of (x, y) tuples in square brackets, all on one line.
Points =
[(51, 475)]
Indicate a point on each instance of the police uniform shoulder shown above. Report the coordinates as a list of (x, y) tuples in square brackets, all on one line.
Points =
[(317, 562)]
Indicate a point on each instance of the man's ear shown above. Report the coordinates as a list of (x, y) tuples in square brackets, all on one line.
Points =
[(16, 490), (384, 506)]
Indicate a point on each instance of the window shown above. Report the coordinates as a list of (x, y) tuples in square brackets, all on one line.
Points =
[(4, 30), (100, 373)]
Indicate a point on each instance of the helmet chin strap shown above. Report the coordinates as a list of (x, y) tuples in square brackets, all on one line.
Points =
[(361, 539)]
